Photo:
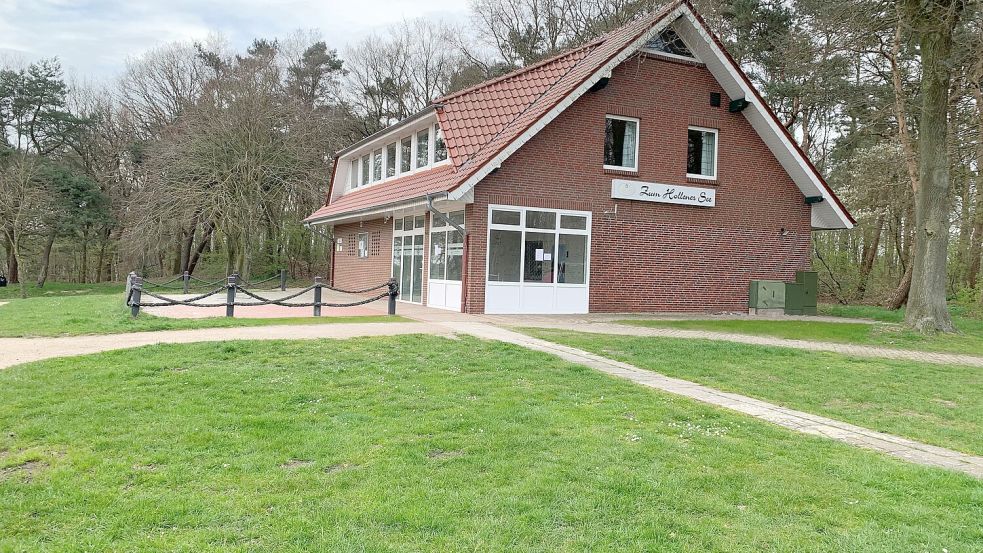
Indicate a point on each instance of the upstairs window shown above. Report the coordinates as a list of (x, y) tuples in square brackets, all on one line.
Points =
[(439, 147), (668, 42), (353, 174), (701, 161), (423, 148), (620, 143), (405, 154), (377, 165), (365, 169), (391, 160)]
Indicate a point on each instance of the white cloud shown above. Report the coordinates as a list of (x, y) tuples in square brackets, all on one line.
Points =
[(93, 38)]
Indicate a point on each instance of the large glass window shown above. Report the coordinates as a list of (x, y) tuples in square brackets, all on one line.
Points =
[(621, 143), (423, 148), (391, 160), (408, 257), (504, 255), (571, 259), (439, 147), (405, 154), (702, 153), (446, 248)]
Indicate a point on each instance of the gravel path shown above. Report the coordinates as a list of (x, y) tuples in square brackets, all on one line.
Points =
[(21, 350), (844, 349)]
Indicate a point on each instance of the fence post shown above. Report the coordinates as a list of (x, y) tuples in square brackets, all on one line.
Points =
[(317, 296), (393, 292), (187, 281), (283, 280), (230, 296), (136, 291)]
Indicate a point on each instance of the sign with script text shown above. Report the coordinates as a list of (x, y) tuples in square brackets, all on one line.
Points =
[(664, 193)]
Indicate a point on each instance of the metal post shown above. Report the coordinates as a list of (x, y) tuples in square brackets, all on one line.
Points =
[(317, 296), (136, 291), (283, 280), (230, 296), (187, 282), (393, 292)]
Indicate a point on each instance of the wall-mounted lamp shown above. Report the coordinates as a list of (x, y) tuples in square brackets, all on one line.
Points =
[(784, 232)]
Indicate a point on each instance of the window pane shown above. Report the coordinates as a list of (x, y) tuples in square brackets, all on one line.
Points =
[(397, 256), (418, 268), (571, 257), (363, 244), (420, 221), (702, 153), (399, 224), (504, 250), (455, 254), (391, 160), (353, 174), (377, 165), (505, 217), (406, 281), (438, 251), (405, 153), (576, 222), (539, 257), (457, 217), (541, 219), (365, 169), (669, 42), (620, 142), (423, 148), (439, 148), (407, 223)]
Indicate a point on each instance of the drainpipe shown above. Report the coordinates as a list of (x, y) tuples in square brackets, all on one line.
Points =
[(464, 257)]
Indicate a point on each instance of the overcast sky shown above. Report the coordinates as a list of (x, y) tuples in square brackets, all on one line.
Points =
[(93, 38)]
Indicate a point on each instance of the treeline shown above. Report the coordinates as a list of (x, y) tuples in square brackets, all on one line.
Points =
[(201, 158)]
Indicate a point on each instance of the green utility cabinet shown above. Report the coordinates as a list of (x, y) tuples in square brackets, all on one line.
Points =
[(810, 291), (794, 298), (766, 295)]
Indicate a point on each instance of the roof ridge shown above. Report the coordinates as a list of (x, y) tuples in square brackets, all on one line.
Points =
[(521, 70)]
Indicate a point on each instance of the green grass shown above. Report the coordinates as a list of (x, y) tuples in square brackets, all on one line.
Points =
[(428, 444), (72, 315), (885, 332), (53, 289), (936, 404)]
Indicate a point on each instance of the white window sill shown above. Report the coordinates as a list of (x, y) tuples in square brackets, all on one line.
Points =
[(701, 177), (617, 168)]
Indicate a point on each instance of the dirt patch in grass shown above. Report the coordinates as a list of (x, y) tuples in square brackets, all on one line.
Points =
[(340, 467), (26, 470)]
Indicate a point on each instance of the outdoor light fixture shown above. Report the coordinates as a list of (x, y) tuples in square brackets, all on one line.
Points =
[(783, 232)]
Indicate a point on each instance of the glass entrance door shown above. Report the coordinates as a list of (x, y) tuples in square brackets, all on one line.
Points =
[(408, 257)]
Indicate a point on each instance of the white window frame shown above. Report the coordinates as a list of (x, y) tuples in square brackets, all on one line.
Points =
[(440, 227), (403, 234), (716, 149), (522, 229), (398, 136), (638, 139), (359, 237)]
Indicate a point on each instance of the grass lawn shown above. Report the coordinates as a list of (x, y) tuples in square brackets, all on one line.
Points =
[(429, 444), (12, 291), (101, 313), (885, 332), (937, 404)]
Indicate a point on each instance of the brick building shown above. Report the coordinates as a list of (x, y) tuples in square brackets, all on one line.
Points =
[(639, 172)]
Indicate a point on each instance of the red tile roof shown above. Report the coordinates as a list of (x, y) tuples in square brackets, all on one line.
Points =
[(415, 185)]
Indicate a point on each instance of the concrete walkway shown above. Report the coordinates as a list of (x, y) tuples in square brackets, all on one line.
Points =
[(14, 351), (909, 450), (844, 349)]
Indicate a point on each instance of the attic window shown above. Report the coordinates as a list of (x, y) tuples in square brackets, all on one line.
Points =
[(668, 42)]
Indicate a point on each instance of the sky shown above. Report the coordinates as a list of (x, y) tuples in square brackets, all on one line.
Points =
[(94, 38)]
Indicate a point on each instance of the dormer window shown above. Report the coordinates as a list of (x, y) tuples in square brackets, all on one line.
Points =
[(377, 165), (353, 174), (391, 160), (422, 148), (365, 170), (668, 42), (439, 147), (405, 154)]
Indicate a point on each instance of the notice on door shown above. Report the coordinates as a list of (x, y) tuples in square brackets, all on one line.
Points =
[(663, 193)]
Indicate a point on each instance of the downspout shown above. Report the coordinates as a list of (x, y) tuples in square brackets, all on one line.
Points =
[(465, 269)]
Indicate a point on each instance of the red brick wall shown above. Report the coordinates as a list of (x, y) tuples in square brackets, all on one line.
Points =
[(651, 256), (353, 272)]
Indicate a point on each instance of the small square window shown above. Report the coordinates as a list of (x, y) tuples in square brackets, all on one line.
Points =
[(621, 143), (363, 244), (701, 162)]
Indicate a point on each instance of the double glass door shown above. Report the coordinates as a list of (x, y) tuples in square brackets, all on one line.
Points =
[(408, 257)]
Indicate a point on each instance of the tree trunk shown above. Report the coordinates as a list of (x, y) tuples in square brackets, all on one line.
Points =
[(900, 295), (205, 241), (46, 259), (870, 255), (927, 310), (12, 265)]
